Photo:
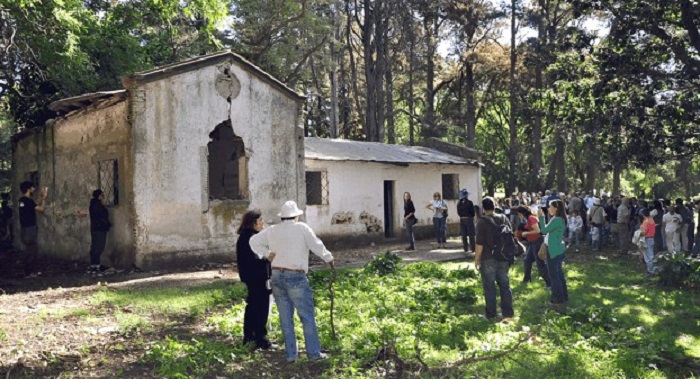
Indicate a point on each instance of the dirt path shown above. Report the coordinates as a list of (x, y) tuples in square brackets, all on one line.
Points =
[(32, 344)]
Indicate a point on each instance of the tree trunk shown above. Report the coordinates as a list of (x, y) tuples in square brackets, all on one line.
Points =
[(471, 105), (429, 128), (334, 82), (512, 125)]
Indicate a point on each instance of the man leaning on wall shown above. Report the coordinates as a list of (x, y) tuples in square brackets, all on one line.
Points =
[(28, 209)]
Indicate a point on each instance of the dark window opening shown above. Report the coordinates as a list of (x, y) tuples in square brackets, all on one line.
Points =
[(34, 178), (450, 186), (227, 164), (108, 180), (316, 188)]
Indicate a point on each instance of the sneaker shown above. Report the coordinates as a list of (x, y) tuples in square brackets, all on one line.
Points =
[(30, 276), (321, 356), (264, 345)]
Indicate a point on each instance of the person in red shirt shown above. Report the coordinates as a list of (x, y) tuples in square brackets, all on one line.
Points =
[(534, 242), (648, 230)]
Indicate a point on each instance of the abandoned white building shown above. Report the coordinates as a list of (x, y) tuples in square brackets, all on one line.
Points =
[(181, 153), (187, 148), (355, 189)]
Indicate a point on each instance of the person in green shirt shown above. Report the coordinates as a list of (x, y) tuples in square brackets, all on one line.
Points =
[(554, 232)]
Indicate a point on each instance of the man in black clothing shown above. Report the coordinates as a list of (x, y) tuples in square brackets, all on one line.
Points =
[(465, 210), (28, 227), (99, 226)]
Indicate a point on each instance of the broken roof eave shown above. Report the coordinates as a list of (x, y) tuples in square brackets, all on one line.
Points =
[(403, 164), (166, 71)]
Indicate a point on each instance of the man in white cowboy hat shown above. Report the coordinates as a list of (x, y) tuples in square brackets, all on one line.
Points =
[(287, 246)]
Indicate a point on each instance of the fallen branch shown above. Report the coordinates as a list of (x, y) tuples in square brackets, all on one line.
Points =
[(492, 357)]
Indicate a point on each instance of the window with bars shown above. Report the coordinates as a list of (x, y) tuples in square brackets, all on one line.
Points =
[(316, 188), (34, 178), (108, 179), (450, 186)]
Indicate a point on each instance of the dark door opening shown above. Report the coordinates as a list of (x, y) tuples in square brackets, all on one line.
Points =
[(388, 209)]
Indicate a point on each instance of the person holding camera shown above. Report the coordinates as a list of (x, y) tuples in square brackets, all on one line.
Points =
[(28, 225), (439, 208)]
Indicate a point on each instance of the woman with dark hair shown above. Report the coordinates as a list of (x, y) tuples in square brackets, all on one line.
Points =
[(409, 216), (554, 232), (255, 273), (534, 242)]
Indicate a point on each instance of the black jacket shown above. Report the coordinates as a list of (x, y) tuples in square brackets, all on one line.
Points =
[(465, 208), (408, 208), (250, 267), (99, 216)]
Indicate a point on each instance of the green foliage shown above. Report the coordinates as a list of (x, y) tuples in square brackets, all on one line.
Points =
[(676, 269), (384, 264), (174, 358)]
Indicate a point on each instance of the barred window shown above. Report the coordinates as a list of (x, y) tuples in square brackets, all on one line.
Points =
[(108, 178), (316, 188), (34, 178), (450, 186)]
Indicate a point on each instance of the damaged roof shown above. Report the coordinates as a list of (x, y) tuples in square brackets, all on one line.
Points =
[(85, 100), (325, 149)]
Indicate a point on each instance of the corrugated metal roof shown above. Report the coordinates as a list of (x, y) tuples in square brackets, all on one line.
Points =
[(326, 149)]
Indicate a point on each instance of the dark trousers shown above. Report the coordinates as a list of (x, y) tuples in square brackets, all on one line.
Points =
[(409, 232), (560, 293), (29, 239), (467, 230), (98, 240), (256, 312), (530, 257)]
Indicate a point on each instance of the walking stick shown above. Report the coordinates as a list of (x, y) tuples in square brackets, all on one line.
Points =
[(332, 294)]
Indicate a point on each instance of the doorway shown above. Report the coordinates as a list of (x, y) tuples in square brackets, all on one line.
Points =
[(389, 208)]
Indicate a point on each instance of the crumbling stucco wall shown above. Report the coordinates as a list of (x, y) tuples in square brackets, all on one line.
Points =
[(66, 154), (356, 195), (172, 117)]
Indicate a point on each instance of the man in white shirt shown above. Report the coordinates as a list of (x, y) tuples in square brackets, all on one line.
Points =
[(287, 246)]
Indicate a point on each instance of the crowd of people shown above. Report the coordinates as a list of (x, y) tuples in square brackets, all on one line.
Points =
[(551, 224)]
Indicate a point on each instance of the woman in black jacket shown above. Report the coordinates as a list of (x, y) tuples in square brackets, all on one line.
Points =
[(254, 272), (409, 215)]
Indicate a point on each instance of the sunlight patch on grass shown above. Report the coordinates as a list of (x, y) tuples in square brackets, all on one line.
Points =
[(170, 301), (690, 343)]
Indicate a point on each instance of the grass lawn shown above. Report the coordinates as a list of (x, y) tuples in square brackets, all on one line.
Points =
[(418, 320)]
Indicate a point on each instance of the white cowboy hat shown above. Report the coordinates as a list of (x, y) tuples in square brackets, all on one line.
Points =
[(289, 210)]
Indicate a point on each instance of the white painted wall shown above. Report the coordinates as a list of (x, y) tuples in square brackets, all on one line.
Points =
[(171, 125), (359, 186)]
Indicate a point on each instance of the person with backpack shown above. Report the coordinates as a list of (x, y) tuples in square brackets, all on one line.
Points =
[(554, 231), (495, 250)]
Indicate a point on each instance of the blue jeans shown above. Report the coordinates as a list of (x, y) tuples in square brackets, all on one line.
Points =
[(292, 291), (530, 258), (649, 254), (496, 272), (560, 294), (440, 226)]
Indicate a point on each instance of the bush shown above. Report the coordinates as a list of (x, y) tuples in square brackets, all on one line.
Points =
[(676, 269), (384, 264)]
